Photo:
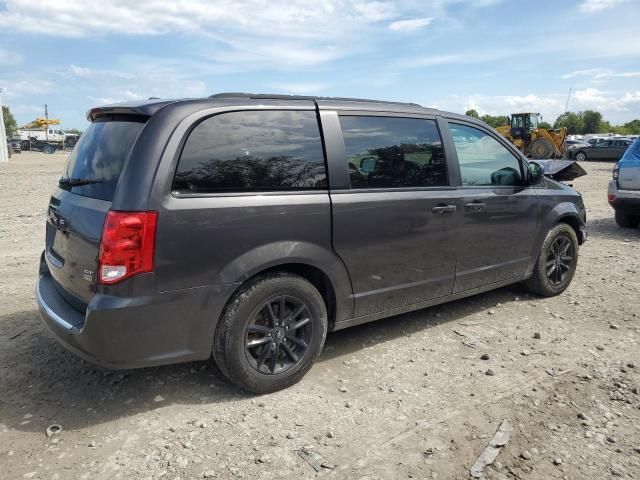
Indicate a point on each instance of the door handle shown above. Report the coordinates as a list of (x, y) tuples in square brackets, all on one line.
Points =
[(475, 206), (442, 209)]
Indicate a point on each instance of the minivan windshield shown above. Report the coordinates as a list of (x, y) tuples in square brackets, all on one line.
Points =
[(99, 157)]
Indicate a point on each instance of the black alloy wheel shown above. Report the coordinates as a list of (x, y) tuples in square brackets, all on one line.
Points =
[(559, 259), (278, 336)]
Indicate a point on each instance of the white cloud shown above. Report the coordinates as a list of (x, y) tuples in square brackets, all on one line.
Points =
[(147, 77), (375, 11), (460, 58), (119, 96), (605, 101), (589, 96), (27, 86), (296, 18), (82, 72), (237, 32), (410, 25), (599, 74), (592, 6), (90, 73)]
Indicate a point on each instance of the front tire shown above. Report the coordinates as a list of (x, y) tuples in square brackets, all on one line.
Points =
[(541, 149), (627, 221), (271, 332), (581, 157), (557, 262)]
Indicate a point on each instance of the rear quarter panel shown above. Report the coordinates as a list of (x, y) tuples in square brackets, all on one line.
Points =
[(224, 239)]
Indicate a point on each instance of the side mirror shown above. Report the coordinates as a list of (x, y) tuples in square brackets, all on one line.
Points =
[(535, 173)]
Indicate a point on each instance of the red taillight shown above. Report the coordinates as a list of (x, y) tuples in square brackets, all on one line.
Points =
[(611, 198), (127, 246)]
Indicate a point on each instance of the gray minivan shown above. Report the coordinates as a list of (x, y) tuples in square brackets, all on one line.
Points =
[(245, 227)]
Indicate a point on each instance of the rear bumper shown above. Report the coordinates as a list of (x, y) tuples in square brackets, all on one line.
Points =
[(117, 332), (624, 201)]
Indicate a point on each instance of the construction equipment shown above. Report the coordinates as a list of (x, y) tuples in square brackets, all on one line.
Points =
[(38, 135), (533, 141), (42, 123)]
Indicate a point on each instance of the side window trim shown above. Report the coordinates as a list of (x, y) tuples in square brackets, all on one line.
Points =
[(450, 153), (502, 141), (333, 141), (345, 185)]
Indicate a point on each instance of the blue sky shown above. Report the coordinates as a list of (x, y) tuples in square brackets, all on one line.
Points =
[(495, 56)]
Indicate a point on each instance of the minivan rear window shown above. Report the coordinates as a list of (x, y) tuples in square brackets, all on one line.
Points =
[(100, 155)]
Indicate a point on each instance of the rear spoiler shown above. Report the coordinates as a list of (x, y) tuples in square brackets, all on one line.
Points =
[(141, 109), (561, 170)]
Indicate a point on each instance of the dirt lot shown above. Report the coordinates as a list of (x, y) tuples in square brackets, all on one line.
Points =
[(406, 397)]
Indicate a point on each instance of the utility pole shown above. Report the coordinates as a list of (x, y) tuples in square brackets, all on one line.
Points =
[(566, 106), (46, 115), (4, 154)]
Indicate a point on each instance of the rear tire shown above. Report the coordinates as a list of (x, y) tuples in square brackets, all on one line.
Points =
[(627, 221), (48, 149), (557, 262), (262, 342)]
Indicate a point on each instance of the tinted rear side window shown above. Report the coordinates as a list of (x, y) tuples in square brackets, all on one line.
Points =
[(100, 155), (390, 152), (253, 151)]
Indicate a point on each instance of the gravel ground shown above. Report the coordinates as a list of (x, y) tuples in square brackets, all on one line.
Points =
[(413, 396)]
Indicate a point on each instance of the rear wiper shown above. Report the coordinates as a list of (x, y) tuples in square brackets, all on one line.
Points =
[(76, 182)]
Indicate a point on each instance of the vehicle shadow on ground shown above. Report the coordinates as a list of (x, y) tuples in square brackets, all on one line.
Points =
[(606, 228), (45, 384)]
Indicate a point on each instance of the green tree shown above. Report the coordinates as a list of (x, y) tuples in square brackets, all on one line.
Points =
[(10, 124), (74, 131), (472, 113), (545, 125), (606, 127), (592, 122), (572, 121), (632, 127), (498, 121)]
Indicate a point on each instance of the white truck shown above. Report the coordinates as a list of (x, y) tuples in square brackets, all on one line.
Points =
[(47, 140)]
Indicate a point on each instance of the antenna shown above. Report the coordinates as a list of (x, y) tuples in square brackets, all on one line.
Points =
[(566, 106)]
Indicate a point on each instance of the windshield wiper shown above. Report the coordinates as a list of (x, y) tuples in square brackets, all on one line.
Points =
[(76, 182)]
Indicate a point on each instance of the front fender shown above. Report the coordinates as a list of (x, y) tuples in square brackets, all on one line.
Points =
[(566, 212), (571, 214)]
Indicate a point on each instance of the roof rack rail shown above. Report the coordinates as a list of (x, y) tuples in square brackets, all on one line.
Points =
[(268, 96)]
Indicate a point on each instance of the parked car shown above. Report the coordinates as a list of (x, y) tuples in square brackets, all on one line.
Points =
[(571, 143), (624, 188), (606, 149), (9, 150), (15, 146), (245, 227)]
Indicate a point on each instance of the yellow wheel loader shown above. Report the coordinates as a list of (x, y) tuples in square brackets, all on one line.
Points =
[(537, 143)]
